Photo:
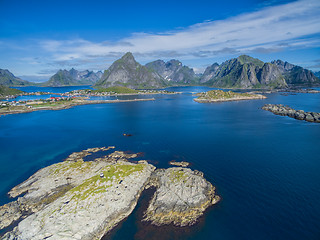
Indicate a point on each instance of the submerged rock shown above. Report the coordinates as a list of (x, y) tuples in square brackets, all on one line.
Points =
[(279, 109), (77, 199), (181, 197)]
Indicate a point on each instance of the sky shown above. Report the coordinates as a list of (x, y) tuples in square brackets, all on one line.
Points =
[(37, 38)]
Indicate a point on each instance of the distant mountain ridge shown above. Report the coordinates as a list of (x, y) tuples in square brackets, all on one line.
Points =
[(174, 72), (295, 74), (73, 77), (247, 72), (9, 80), (241, 72), (127, 72)]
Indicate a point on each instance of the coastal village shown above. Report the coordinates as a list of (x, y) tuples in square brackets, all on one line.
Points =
[(31, 103)]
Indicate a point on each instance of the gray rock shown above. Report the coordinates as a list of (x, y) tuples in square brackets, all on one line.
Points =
[(296, 75), (309, 117), (78, 199), (181, 197), (89, 208), (279, 109), (72, 77), (173, 71)]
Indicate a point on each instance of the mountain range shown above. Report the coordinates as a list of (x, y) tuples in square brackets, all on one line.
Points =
[(174, 72), (242, 72), (72, 78)]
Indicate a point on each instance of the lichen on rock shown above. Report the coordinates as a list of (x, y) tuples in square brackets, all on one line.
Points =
[(181, 197), (78, 199)]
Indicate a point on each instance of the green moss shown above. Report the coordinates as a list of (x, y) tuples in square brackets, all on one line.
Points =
[(96, 184), (177, 176), (219, 94), (77, 165)]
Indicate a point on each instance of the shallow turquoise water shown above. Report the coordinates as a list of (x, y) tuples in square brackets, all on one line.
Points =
[(265, 167)]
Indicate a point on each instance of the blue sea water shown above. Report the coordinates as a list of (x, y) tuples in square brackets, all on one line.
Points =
[(265, 167)]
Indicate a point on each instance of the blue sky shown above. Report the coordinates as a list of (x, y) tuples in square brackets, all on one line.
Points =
[(39, 37)]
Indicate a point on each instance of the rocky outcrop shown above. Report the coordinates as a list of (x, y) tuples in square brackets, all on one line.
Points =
[(72, 78), (270, 75), (282, 110), (173, 71), (181, 197), (127, 72), (9, 80), (99, 194), (84, 199), (180, 164), (209, 73)]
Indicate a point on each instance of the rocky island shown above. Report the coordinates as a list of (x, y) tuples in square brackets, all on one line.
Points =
[(181, 197), (82, 198), (222, 96), (282, 110)]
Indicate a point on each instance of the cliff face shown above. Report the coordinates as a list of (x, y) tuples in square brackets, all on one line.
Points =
[(72, 78), (9, 80), (173, 71), (244, 72), (295, 74), (209, 73), (129, 73), (270, 75)]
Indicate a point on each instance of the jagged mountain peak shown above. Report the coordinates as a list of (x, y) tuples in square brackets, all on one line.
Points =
[(127, 72), (173, 71), (72, 77)]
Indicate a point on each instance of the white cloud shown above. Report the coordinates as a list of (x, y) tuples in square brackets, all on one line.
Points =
[(274, 28)]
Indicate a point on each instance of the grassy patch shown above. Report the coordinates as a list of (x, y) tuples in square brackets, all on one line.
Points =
[(96, 184), (219, 94), (177, 176), (77, 165), (116, 89)]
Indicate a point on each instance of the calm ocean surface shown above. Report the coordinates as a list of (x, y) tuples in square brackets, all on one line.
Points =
[(265, 167)]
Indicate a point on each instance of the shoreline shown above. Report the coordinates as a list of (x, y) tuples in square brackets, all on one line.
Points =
[(67, 106)]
